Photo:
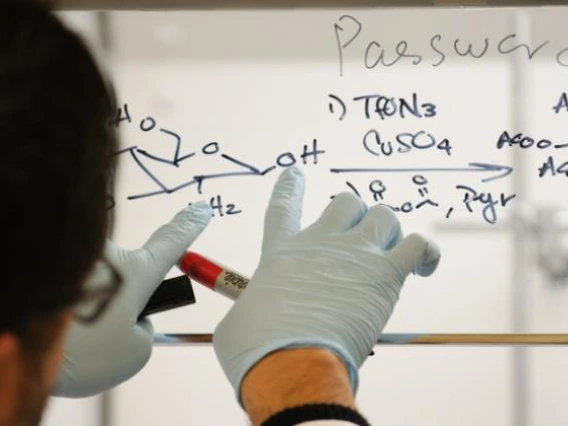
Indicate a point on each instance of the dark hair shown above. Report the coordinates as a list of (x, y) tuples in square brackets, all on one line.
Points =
[(56, 163)]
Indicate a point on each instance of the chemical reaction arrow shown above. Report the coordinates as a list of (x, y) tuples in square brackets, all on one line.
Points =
[(502, 171)]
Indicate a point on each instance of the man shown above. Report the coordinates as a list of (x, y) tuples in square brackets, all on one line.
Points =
[(292, 344)]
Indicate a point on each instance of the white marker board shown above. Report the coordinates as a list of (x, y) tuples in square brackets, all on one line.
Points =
[(387, 104), (242, 92)]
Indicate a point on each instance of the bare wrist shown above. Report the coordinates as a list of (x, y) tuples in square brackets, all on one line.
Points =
[(293, 377)]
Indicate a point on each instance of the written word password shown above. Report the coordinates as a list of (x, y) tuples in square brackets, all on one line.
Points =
[(384, 106), (348, 34), (309, 154), (485, 203)]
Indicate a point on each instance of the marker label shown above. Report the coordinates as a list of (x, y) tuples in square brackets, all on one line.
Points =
[(212, 275), (230, 284)]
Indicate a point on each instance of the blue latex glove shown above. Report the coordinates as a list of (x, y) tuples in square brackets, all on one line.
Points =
[(333, 285), (112, 350)]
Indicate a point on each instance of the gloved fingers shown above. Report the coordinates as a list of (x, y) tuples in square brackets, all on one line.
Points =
[(343, 212), (167, 244), (146, 327), (142, 341), (415, 254), (380, 226), (284, 213), (144, 335)]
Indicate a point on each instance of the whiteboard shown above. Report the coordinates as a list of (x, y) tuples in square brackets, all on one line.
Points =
[(220, 102), (235, 97)]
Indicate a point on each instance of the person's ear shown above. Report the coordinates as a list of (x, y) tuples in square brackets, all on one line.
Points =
[(11, 370)]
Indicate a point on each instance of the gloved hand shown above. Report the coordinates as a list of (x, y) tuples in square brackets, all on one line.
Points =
[(333, 285), (112, 350)]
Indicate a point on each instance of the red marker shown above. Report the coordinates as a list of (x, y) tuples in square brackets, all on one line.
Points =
[(217, 278)]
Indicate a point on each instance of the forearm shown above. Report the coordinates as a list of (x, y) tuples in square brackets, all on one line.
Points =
[(294, 377)]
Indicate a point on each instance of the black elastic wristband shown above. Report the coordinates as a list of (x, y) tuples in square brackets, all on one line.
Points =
[(310, 412)]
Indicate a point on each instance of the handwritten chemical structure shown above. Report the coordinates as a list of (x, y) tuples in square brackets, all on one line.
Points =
[(474, 200), (309, 154)]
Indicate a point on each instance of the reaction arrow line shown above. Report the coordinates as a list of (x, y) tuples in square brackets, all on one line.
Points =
[(473, 167)]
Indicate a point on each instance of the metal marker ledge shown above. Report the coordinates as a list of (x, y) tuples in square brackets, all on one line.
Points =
[(406, 339)]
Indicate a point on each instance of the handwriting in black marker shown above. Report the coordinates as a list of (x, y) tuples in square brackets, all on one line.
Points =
[(473, 167), (352, 188), (438, 51), (176, 160), (312, 153), (525, 142), (163, 188), (375, 53), (408, 206), (199, 179), (350, 185), (389, 106), (377, 188), (121, 115), (401, 49), (287, 159), (530, 53), (561, 104), (560, 58), (341, 105), (342, 45), (405, 142), (147, 124), (122, 151), (422, 183), (470, 51), (487, 200), (216, 204), (549, 167), (247, 166)]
